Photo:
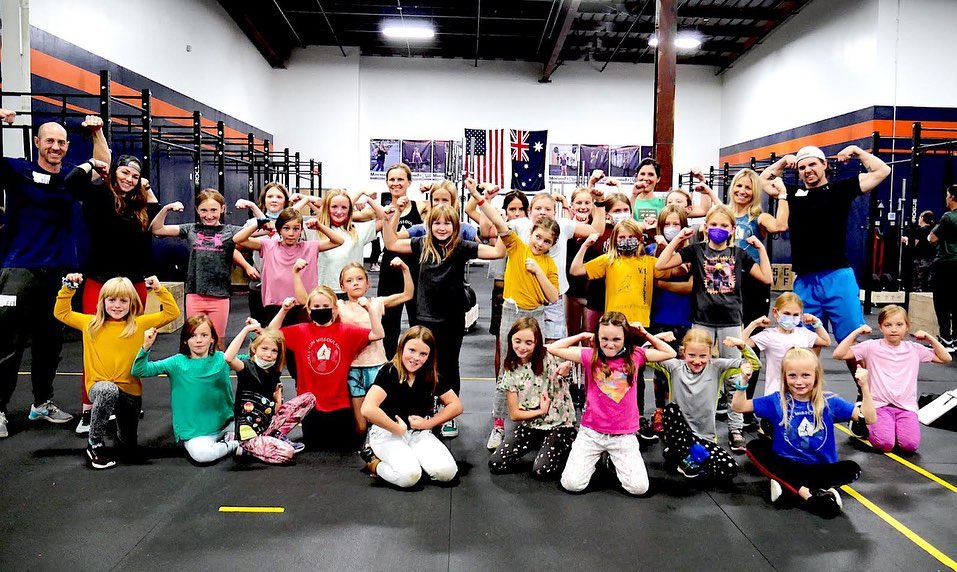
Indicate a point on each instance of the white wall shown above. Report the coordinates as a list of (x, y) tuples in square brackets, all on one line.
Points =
[(223, 69), (435, 99), (925, 51), (821, 63)]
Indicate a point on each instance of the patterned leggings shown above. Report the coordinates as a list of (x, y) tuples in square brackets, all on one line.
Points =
[(553, 448), (269, 447), (679, 438)]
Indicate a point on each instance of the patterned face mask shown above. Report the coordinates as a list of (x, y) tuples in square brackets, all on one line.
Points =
[(627, 245)]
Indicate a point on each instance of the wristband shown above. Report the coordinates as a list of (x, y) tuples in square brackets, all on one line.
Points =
[(817, 324), (92, 164), (70, 284), (740, 387), (481, 202), (261, 221)]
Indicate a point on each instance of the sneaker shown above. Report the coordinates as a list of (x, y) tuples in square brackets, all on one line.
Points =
[(859, 428), (776, 491), (495, 438), (645, 432), (99, 457), (949, 344), (722, 409), (3, 426), (736, 440), (450, 429), (825, 503), (50, 412), (297, 447), (83, 427), (366, 454), (689, 469), (658, 421)]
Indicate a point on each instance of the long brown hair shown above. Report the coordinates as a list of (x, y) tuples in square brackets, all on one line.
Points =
[(428, 373), (434, 252), (134, 201), (190, 327), (537, 360), (632, 340)]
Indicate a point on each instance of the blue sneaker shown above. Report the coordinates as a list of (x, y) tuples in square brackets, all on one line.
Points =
[(297, 447), (50, 412)]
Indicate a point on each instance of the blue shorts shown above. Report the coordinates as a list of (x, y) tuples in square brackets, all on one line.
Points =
[(834, 297), (361, 379)]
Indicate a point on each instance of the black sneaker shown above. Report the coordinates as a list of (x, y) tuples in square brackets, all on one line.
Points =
[(722, 410), (859, 428), (825, 503), (689, 469), (100, 457), (645, 432), (366, 454)]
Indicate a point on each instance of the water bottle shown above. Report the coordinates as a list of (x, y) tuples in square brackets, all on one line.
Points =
[(691, 465)]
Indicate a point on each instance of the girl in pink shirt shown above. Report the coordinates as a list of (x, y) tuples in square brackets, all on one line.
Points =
[(611, 413), (893, 363)]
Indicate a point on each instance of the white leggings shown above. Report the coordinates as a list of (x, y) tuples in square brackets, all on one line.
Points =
[(402, 459), (208, 448), (624, 453)]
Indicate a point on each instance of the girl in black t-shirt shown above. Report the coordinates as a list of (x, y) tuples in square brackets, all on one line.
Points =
[(263, 420), (399, 407)]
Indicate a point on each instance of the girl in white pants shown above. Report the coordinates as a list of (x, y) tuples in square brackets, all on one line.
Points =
[(398, 406)]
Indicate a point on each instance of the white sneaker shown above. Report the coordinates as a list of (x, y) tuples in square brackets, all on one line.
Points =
[(3, 426), (776, 491), (50, 412), (837, 497), (83, 427), (449, 429), (495, 438)]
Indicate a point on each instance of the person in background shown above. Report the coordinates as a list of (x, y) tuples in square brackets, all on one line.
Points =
[(944, 237)]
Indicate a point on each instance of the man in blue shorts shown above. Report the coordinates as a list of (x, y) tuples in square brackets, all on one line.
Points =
[(818, 228)]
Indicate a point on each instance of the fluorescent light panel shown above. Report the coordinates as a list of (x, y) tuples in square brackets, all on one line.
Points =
[(683, 41), (400, 31)]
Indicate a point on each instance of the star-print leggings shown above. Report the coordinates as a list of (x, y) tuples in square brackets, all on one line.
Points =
[(553, 448), (678, 441)]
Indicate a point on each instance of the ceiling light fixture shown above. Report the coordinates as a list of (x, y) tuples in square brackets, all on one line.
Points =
[(683, 41), (400, 31)]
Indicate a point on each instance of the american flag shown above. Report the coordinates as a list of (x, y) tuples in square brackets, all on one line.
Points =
[(486, 155)]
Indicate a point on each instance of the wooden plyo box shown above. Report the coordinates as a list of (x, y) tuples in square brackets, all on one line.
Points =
[(783, 278), (921, 312), (152, 305)]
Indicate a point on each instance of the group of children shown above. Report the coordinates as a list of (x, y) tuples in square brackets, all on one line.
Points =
[(642, 288)]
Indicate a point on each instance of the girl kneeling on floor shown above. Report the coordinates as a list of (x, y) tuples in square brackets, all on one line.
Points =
[(200, 394), (110, 340), (263, 420), (538, 401), (695, 381), (399, 404), (802, 456), (611, 413)]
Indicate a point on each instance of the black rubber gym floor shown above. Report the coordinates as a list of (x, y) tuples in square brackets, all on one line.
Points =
[(55, 513)]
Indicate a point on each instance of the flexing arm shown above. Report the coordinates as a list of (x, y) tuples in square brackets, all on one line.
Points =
[(101, 149), (777, 169), (578, 263), (877, 170), (408, 287), (334, 238), (565, 347), (843, 349), (232, 351), (669, 257), (159, 227), (761, 271)]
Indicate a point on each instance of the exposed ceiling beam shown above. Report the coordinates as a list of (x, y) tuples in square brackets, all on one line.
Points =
[(288, 23), (566, 15), (614, 29), (274, 57), (331, 29)]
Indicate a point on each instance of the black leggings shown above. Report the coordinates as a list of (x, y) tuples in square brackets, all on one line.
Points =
[(448, 338), (945, 303), (793, 475), (679, 438), (553, 446)]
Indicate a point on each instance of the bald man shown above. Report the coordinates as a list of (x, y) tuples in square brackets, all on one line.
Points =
[(38, 249)]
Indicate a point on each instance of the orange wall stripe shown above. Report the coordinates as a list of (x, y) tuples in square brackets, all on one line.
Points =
[(64, 73)]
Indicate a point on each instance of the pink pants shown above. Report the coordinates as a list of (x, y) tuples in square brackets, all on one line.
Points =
[(216, 308), (268, 447), (895, 427)]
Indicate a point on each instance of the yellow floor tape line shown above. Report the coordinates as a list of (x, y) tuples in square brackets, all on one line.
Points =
[(917, 469), (251, 509), (910, 534)]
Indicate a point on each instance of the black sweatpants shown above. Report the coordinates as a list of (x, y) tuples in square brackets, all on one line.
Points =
[(793, 475)]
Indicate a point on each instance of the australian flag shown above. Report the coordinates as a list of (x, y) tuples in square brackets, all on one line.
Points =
[(528, 159)]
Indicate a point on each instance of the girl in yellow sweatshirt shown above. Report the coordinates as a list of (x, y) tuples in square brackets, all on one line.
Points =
[(111, 338)]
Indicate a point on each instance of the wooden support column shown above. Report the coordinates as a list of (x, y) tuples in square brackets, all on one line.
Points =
[(666, 24)]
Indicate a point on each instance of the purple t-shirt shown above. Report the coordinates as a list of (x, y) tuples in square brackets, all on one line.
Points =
[(611, 406)]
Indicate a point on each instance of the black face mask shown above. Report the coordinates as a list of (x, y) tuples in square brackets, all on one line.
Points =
[(321, 315)]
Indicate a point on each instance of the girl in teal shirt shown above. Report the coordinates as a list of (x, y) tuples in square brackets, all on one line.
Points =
[(201, 396)]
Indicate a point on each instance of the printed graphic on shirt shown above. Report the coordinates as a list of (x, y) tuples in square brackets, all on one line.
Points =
[(801, 433), (212, 242), (719, 274), (644, 213), (256, 414), (323, 355), (615, 385)]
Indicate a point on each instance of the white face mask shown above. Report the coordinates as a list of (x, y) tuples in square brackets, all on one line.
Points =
[(618, 217), (264, 364)]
